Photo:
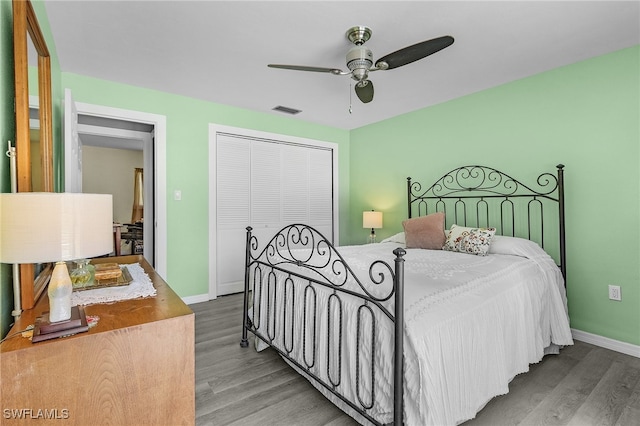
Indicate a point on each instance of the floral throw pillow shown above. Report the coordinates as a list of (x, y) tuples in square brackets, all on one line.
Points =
[(469, 240)]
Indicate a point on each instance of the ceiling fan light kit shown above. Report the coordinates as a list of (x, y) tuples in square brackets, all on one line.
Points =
[(359, 59)]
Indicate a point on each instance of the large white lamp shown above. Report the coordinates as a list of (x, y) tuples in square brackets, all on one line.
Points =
[(372, 220), (39, 227)]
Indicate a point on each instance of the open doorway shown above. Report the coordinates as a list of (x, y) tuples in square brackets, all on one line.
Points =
[(116, 155), (99, 127)]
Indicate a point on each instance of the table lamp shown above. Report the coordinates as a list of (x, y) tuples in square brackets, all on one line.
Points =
[(372, 220), (40, 227)]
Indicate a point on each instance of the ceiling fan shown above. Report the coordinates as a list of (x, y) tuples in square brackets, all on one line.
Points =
[(360, 59)]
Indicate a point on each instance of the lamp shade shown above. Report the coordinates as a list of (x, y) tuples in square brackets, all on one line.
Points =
[(372, 220), (48, 227)]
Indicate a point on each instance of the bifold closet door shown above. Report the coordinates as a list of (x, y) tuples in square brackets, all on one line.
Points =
[(266, 185)]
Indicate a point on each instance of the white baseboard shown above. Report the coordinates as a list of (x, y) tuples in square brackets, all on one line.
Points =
[(605, 342), (198, 298)]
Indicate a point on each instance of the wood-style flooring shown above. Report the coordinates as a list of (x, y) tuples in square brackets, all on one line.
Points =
[(584, 385)]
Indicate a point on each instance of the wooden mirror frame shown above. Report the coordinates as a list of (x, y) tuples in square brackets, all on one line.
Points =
[(25, 24)]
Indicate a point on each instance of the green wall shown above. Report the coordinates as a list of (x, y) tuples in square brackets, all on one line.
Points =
[(187, 165), (7, 133), (585, 116)]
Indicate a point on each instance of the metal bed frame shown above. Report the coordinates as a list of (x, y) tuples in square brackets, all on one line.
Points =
[(481, 188), (469, 196)]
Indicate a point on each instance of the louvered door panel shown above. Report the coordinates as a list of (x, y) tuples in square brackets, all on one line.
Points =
[(321, 191), (295, 182), (233, 210), (266, 184)]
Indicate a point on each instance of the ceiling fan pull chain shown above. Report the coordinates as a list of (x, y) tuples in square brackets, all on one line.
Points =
[(350, 109)]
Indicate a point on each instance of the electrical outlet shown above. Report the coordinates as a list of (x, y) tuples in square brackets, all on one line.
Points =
[(614, 292)]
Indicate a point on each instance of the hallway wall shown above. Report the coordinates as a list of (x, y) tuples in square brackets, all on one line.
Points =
[(117, 165)]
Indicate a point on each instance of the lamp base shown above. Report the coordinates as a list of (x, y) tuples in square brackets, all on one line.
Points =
[(45, 329)]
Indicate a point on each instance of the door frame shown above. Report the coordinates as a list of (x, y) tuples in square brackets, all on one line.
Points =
[(159, 123)]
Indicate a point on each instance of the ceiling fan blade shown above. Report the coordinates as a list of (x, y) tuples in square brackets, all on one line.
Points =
[(305, 68), (364, 91), (415, 52)]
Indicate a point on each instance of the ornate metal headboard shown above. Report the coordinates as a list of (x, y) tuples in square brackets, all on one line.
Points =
[(485, 197)]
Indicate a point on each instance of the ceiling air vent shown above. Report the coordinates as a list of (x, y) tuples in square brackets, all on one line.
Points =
[(287, 110)]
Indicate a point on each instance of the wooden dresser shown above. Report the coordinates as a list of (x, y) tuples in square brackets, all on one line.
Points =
[(136, 366)]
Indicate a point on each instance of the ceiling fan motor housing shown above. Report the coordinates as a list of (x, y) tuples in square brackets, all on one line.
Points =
[(359, 61)]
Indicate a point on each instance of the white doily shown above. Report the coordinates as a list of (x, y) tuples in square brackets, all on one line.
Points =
[(141, 286)]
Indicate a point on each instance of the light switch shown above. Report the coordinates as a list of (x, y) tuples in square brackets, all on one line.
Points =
[(177, 195)]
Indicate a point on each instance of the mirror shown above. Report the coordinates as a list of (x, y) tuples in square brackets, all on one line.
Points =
[(34, 134), (33, 278)]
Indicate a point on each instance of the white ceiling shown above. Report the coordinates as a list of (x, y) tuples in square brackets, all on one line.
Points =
[(218, 51)]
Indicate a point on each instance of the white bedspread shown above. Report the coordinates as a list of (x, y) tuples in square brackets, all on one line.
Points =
[(471, 324)]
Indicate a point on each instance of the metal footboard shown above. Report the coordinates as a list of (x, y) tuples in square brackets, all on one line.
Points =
[(302, 299)]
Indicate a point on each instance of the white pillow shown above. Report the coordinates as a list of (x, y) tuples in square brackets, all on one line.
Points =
[(398, 238), (469, 240), (515, 246)]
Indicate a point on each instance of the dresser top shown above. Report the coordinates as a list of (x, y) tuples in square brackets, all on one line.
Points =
[(113, 316)]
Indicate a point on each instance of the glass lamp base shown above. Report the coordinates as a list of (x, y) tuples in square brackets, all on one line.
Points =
[(59, 292), (81, 276)]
